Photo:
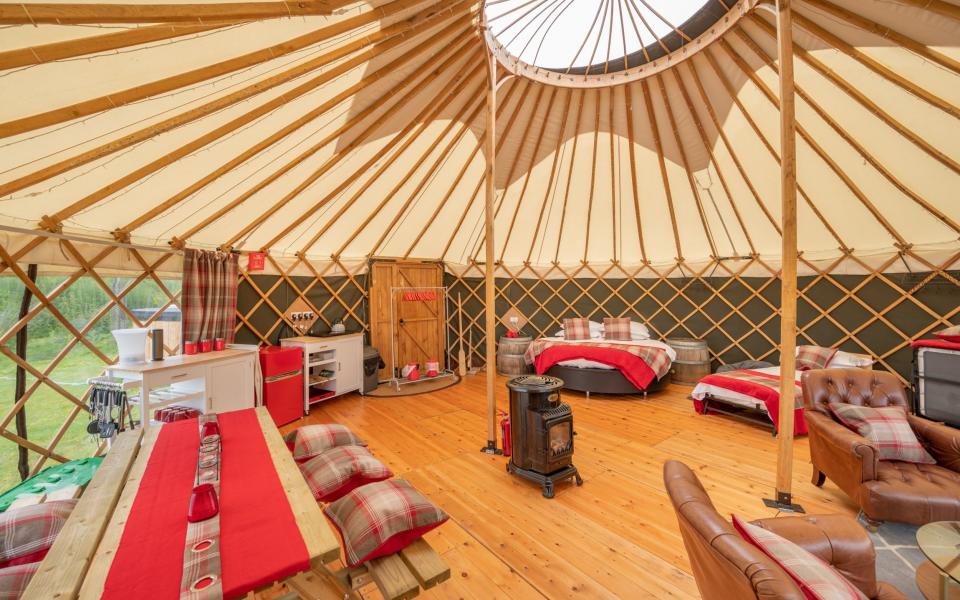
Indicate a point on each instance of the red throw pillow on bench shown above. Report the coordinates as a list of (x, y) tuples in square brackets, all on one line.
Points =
[(14, 580), (27, 533), (337, 471), (310, 440), (381, 518), (816, 579), (888, 430)]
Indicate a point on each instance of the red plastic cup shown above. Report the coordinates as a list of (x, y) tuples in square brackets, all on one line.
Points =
[(205, 345), (209, 428), (189, 347), (203, 503), (219, 344)]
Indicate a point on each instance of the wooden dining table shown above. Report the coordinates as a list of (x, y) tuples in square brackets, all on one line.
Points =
[(321, 543)]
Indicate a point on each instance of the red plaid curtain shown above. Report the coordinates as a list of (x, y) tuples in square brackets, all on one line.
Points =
[(209, 295)]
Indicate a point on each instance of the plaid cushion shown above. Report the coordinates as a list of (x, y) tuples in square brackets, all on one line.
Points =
[(333, 473), (27, 533), (616, 328), (310, 440), (14, 580), (951, 334), (576, 329), (382, 518), (887, 428), (813, 357), (816, 578)]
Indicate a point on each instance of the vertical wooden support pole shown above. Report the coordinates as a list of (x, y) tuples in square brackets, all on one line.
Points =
[(788, 274), (490, 284)]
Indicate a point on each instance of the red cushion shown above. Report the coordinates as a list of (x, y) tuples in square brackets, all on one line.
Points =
[(310, 440), (381, 518), (576, 329), (27, 533), (815, 578), (14, 579), (616, 329), (337, 471), (888, 430), (951, 334)]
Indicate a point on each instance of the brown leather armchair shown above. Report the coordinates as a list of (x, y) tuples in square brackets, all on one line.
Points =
[(727, 567), (885, 490)]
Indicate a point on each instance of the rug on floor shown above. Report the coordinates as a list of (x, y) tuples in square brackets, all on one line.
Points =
[(898, 557)]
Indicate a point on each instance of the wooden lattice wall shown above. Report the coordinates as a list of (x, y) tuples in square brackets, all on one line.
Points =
[(877, 313)]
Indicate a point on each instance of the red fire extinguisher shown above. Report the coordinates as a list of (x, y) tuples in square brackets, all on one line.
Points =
[(505, 433)]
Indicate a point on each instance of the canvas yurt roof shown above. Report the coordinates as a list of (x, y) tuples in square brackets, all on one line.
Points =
[(355, 129)]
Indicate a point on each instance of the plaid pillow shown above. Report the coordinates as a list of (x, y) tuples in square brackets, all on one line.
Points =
[(951, 334), (333, 473), (814, 357), (27, 533), (816, 578), (310, 440), (616, 328), (576, 329), (887, 428), (14, 580), (381, 518)]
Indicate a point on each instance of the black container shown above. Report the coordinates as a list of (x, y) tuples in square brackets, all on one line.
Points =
[(156, 336)]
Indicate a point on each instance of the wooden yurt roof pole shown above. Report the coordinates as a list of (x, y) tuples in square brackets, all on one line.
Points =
[(490, 282), (788, 270)]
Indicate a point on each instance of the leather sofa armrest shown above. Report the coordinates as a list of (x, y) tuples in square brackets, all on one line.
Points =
[(836, 539), (844, 449), (942, 441)]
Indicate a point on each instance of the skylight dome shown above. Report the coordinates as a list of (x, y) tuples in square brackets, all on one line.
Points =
[(596, 37)]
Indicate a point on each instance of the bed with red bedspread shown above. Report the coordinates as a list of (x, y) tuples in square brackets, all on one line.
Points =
[(642, 362)]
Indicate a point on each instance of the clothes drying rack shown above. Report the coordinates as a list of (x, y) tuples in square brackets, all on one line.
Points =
[(397, 293)]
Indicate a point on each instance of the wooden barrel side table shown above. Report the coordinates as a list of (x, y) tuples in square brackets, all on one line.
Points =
[(693, 360), (510, 353)]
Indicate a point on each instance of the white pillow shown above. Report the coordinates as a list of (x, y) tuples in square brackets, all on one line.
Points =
[(639, 331), (847, 360)]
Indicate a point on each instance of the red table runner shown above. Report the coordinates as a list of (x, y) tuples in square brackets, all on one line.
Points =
[(259, 538)]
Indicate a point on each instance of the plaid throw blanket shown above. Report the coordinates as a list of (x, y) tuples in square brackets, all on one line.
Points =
[(656, 358), (765, 387)]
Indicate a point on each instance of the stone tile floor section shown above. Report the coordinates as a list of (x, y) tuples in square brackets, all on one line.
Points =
[(898, 557)]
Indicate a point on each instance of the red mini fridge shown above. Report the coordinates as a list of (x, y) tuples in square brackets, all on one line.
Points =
[(282, 369)]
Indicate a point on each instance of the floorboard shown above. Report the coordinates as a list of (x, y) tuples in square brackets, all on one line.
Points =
[(615, 537)]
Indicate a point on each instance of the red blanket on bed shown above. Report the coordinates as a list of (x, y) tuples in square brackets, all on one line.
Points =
[(639, 364), (765, 387)]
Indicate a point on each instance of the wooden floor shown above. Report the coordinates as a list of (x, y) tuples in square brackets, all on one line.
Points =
[(614, 537)]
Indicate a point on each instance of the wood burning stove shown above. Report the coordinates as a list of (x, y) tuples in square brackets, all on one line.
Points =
[(541, 431)]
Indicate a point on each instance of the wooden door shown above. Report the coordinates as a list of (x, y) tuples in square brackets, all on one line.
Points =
[(418, 327)]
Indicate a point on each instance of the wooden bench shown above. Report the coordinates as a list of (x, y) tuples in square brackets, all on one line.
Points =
[(62, 571), (399, 576)]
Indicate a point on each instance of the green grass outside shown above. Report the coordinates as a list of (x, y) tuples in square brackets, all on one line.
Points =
[(47, 409)]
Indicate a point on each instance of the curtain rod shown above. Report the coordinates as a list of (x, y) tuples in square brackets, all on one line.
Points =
[(89, 240)]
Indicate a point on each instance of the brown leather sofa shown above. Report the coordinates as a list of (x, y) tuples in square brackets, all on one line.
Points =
[(885, 490), (727, 567)]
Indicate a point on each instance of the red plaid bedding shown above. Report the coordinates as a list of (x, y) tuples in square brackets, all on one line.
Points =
[(765, 387), (639, 364)]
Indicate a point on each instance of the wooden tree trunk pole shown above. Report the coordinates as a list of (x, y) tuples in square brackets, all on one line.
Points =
[(490, 282), (788, 273), (20, 385)]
